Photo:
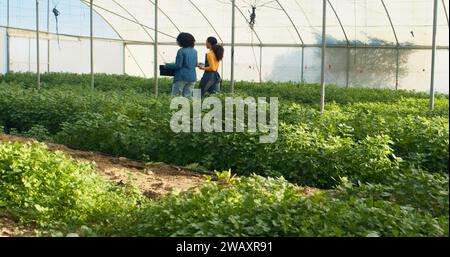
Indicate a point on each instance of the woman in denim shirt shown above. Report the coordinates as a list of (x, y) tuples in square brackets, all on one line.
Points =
[(184, 66)]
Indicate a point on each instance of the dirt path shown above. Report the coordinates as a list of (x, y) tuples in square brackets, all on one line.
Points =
[(154, 180), (9, 228)]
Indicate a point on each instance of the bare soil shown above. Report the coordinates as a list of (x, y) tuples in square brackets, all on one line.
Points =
[(153, 179), (10, 228)]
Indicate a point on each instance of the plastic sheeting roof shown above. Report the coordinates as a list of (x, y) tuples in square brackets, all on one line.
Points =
[(280, 22)]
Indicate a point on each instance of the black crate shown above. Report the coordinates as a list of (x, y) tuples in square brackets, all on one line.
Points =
[(164, 71)]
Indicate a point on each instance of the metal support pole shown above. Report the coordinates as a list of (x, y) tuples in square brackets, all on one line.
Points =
[(48, 32), (221, 69), (397, 69), (433, 55), (302, 79), (124, 70), (260, 63), (322, 75), (155, 48), (29, 54), (91, 22), (38, 59), (347, 75), (233, 22), (8, 49)]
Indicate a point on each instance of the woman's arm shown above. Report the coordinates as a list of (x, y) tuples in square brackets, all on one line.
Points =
[(178, 62), (213, 63)]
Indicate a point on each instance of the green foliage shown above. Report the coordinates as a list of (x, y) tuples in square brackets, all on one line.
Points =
[(419, 138), (295, 92), (257, 206), (50, 190), (362, 141), (103, 82), (38, 132), (59, 195), (385, 153), (415, 188)]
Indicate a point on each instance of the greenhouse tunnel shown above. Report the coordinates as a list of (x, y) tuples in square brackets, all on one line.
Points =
[(368, 43), (300, 119)]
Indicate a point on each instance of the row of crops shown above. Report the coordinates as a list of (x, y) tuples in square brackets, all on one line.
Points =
[(380, 157)]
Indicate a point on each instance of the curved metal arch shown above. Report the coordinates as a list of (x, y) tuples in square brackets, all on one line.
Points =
[(134, 17), (292, 22), (390, 21), (347, 72), (120, 36), (143, 28), (340, 22), (110, 25), (135, 61), (445, 12), (167, 16), (398, 45), (206, 18), (127, 19)]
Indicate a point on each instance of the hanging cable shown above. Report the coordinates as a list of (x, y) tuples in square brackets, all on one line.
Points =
[(252, 17), (254, 7), (56, 13), (254, 54), (252, 22)]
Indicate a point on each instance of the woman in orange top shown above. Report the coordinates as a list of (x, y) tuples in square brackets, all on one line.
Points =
[(211, 78)]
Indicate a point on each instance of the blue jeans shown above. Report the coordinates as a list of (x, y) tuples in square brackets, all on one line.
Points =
[(214, 89), (210, 83), (183, 87)]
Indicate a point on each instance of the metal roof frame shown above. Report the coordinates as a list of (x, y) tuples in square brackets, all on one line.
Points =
[(261, 42), (207, 20), (292, 22), (124, 18), (445, 12), (323, 45), (340, 22)]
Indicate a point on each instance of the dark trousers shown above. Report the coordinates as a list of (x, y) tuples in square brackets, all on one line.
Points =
[(210, 82)]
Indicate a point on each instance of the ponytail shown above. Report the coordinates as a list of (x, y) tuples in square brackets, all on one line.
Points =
[(217, 49)]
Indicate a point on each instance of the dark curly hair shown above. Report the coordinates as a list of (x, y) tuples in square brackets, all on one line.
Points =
[(185, 40), (217, 49)]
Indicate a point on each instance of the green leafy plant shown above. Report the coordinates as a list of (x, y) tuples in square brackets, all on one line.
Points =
[(363, 141), (52, 191), (61, 196), (257, 206)]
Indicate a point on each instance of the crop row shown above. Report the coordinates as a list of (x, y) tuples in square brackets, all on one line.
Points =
[(363, 143), (58, 195), (295, 92)]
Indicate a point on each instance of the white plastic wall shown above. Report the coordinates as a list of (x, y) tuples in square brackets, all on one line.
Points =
[(367, 67), (278, 64), (74, 56), (71, 54)]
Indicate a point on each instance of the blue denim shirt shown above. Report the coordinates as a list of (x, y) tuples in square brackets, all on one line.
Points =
[(185, 65)]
